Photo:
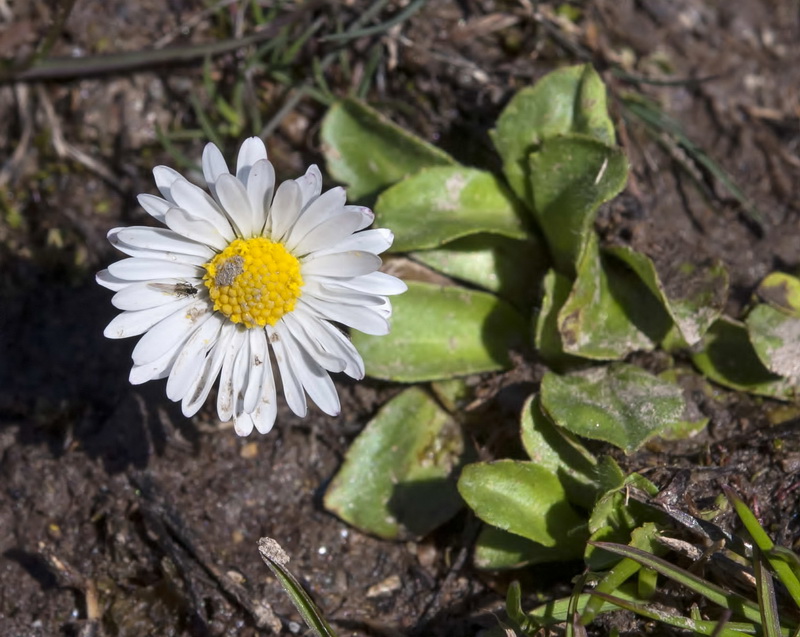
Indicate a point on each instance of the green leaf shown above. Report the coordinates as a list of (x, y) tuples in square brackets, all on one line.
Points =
[(396, 481), (619, 403), (525, 499), (775, 337), (511, 268), (443, 203), (498, 550), (727, 357), (439, 332), (609, 313), (366, 151), (569, 100), (571, 177), (561, 454), (547, 338), (276, 559), (693, 296), (781, 291)]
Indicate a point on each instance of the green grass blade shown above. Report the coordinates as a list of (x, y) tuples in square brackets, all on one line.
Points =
[(766, 598), (610, 583), (274, 557), (710, 591), (700, 627), (765, 544)]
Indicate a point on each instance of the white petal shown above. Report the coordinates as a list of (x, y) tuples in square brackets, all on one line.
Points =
[(310, 185), (165, 177), (341, 264), (159, 368), (284, 210), (213, 165), (186, 369), (377, 240), (197, 394), (146, 294), (233, 197), (199, 204), (367, 216), (229, 387), (156, 207), (298, 328), (365, 319), (267, 409), (327, 233), (329, 291), (197, 229), (164, 334), (163, 245), (161, 239), (315, 380), (243, 424), (373, 283), (292, 388), (135, 323), (252, 151), (321, 209), (142, 269), (107, 280), (258, 363), (260, 187)]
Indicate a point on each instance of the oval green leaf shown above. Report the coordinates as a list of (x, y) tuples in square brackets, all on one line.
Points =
[(694, 296), (620, 403), (522, 498), (781, 291), (569, 100), (560, 453), (397, 480), (368, 152), (776, 340), (609, 312), (440, 332), (496, 549), (440, 204), (571, 177), (727, 357), (511, 268)]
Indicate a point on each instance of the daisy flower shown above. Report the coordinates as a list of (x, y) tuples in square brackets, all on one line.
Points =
[(242, 272)]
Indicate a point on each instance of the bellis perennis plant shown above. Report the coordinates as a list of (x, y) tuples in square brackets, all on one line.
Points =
[(242, 271)]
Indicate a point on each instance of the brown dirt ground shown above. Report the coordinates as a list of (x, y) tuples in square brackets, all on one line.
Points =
[(108, 494)]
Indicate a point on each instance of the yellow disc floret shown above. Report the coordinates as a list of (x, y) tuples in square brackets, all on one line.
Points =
[(254, 281)]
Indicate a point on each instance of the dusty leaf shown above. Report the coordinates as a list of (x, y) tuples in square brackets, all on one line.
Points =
[(694, 295), (522, 498), (569, 100), (397, 478), (618, 403), (368, 152), (439, 332), (437, 205)]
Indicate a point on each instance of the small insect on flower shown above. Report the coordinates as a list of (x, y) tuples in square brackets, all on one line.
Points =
[(175, 289), (244, 271)]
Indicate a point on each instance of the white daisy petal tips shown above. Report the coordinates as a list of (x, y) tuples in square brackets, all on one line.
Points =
[(248, 269)]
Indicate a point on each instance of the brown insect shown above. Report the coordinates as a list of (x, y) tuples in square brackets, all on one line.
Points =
[(180, 290)]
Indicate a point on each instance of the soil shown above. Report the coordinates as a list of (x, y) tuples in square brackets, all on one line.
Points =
[(118, 516)]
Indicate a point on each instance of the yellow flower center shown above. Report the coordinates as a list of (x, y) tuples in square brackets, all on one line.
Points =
[(254, 281)]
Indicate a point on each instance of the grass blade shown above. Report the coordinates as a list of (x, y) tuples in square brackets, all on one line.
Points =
[(766, 598), (765, 544), (275, 557), (710, 591), (700, 627)]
